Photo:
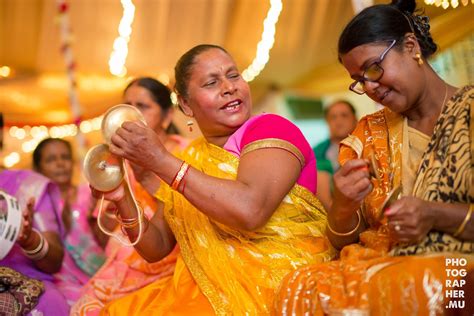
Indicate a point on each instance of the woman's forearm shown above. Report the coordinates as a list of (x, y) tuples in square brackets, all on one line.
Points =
[(51, 261), (449, 217), (244, 203), (344, 229), (156, 241)]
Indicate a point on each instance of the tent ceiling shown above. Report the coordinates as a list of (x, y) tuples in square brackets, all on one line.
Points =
[(304, 50)]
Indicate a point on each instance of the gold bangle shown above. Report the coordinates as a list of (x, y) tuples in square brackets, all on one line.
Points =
[(466, 219), (350, 232), (130, 222)]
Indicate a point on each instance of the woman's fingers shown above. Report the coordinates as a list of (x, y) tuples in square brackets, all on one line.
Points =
[(353, 165)]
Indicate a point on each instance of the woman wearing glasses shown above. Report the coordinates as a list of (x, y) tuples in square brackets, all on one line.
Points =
[(396, 253)]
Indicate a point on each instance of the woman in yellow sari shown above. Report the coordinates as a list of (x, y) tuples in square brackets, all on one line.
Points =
[(396, 258), (239, 202)]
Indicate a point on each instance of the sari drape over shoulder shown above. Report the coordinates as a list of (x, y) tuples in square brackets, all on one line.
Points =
[(231, 271), (378, 275)]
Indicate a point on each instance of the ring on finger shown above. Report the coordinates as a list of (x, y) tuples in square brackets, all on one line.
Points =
[(396, 226)]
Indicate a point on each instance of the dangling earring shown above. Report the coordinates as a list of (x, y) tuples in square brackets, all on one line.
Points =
[(419, 59), (190, 124)]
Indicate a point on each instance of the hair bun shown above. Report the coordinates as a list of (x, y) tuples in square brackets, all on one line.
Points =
[(405, 5)]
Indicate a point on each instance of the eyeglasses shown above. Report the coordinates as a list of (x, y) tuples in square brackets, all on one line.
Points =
[(372, 72)]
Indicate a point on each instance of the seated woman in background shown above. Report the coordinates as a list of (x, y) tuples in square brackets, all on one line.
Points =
[(422, 141), (239, 201), (53, 158), (38, 252), (125, 271)]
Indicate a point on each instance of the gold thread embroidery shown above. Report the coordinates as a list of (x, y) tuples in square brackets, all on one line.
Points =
[(274, 143)]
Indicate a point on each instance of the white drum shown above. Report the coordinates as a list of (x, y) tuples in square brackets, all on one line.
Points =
[(10, 223)]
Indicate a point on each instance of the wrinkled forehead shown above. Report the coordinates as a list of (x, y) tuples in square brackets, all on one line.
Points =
[(211, 61)]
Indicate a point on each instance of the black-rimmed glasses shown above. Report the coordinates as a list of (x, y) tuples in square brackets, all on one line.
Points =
[(372, 72)]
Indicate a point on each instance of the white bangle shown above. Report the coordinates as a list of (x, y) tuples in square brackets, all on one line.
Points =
[(40, 251)]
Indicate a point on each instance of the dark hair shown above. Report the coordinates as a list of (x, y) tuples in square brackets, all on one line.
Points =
[(39, 150), (1, 120), (349, 105), (387, 22), (183, 66), (160, 93)]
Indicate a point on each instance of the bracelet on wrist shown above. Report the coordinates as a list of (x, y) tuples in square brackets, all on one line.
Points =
[(461, 227), (349, 232), (40, 251)]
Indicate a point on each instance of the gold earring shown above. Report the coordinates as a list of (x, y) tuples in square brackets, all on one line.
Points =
[(419, 59), (190, 124)]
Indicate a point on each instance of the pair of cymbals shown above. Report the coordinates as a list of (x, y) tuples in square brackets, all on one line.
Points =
[(104, 170)]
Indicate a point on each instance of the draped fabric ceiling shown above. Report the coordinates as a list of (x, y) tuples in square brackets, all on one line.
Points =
[(303, 59)]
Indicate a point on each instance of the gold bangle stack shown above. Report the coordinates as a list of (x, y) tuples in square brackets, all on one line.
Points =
[(129, 223), (461, 227), (350, 232)]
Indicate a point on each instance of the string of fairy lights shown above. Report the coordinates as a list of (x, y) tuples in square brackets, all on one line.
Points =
[(266, 43), (30, 136), (445, 4), (118, 57)]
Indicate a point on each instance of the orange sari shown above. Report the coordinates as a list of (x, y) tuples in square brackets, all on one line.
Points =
[(376, 275)]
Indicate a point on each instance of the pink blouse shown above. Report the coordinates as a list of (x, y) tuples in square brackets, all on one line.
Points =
[(267, 126)]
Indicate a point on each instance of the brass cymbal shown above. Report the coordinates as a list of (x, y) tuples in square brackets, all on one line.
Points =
[(103, 169), (115, 116)]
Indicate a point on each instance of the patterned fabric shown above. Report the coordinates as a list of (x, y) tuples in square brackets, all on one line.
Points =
[(293, 237), (80, 242), (228, 271), (374, 276), (446, 170), (24, 291)]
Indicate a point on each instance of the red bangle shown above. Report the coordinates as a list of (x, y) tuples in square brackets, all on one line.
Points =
[(184, 182), (180, 175)]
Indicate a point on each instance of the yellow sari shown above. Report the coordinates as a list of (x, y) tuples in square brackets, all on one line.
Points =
[(376, 275), (221, 270)]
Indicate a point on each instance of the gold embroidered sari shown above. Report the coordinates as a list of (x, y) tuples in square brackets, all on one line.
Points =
[(376, 275), (230, 271)]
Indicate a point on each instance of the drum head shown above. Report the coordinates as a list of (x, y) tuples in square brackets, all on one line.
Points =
[(10, 223)]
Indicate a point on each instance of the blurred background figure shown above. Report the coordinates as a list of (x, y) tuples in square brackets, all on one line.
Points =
[(53, 158), (341, 120), (38, 252), (125, 270)]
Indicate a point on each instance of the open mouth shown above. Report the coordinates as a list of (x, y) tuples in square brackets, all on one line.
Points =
[(232, 106)]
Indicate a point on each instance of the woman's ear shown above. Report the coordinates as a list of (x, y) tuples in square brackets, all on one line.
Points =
[(411, 44), (184, 106)]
